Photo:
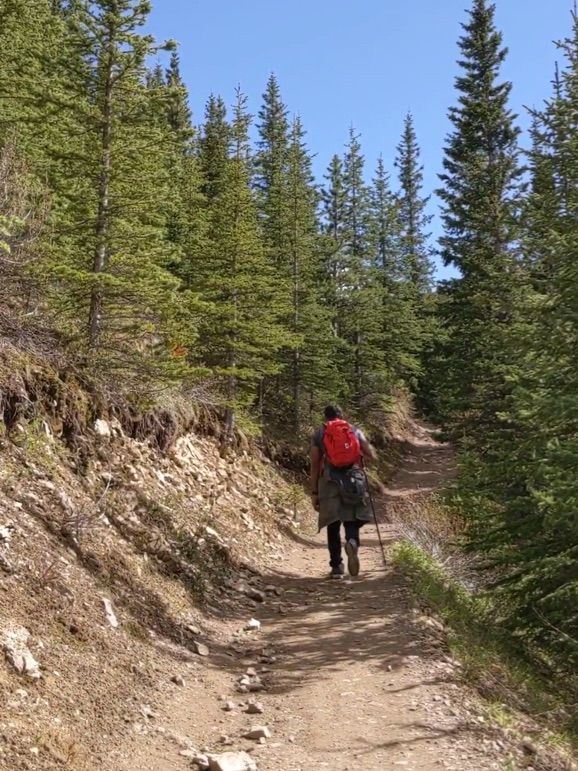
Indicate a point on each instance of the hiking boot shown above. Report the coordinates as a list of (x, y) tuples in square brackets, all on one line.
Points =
[(352, 551), (337, 573)]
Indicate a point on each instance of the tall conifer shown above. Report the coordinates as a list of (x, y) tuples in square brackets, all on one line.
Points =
[(480, 196)]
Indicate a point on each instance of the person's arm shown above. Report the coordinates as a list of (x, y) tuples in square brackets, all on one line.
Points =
[(367, 450), (314, 474)]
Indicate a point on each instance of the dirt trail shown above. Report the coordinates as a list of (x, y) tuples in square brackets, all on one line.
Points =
[(356, 682)]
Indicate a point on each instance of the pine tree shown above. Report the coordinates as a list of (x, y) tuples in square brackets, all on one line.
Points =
[(120, 302), (178, 111), (417, 320), (413, 216), (359, 289), (313, 372), (480, 199), (390, 270), (333, 216), (530, 480), (214, 147), (241, 335), (271, 172)]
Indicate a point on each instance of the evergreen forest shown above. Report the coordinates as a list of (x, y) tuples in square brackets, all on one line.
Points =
[(157, 252)]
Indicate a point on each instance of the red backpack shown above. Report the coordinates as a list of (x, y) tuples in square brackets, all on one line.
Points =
[(342, 447)]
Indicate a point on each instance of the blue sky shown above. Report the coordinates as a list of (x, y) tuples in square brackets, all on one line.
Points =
[(363, 63)]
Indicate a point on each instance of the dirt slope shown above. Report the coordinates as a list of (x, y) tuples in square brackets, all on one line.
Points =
[(354, 679)]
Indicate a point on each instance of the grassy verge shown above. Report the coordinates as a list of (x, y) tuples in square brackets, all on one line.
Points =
[(489, 660)]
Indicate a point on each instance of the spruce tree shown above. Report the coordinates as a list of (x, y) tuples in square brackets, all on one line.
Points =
[(359, 289), (178, 111), (532, 528), (111, 282), (386, 233), (333, 214), (312, 371), (213, 148), (417, 320), (241, 334), (271, 172), (480, 199), (413, 217)]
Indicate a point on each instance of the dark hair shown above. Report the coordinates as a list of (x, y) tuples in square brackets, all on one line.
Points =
[(332, 413)]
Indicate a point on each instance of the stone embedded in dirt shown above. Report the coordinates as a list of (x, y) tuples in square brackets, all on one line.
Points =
[(201, 760), (251, 672), (252, 625), (229, 706), (258, 732), (178, 680), (109, 613), (15, 645), (102, 428), (190, 754), (255, 594), (147, 712), (200, 649), (6, 532), (232, 761), (193, 629), (255, 708)]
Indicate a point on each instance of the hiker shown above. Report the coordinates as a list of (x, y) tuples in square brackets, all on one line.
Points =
[(338, 487)]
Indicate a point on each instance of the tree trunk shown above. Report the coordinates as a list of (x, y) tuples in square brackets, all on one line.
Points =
[(296, 323), (101, 253)]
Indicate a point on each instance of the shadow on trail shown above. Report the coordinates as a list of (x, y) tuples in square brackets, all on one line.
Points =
[(429, 733), (328, 623)]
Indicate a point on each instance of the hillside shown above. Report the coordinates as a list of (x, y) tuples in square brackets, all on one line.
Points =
[(130, 578), (104, 518)]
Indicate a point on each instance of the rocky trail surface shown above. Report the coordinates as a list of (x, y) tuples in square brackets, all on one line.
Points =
[(336, 675)]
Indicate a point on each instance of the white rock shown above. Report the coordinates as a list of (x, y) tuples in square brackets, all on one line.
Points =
[(178, 680), (15, 645), (200, 649), (109, 613), (232, 761), (258, 732), (252, 625), (6, 533), (102, 428), (212, 532)]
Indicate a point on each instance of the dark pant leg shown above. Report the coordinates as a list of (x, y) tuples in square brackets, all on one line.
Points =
[(352, 531), (334, 543)]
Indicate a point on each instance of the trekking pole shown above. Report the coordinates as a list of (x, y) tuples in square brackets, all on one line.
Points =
[(381, 546)]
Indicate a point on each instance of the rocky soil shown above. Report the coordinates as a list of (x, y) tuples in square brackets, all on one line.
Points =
[(171, 611), (113, 573)]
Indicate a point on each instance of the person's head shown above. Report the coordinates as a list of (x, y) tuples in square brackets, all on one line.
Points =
[(331, 412)]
